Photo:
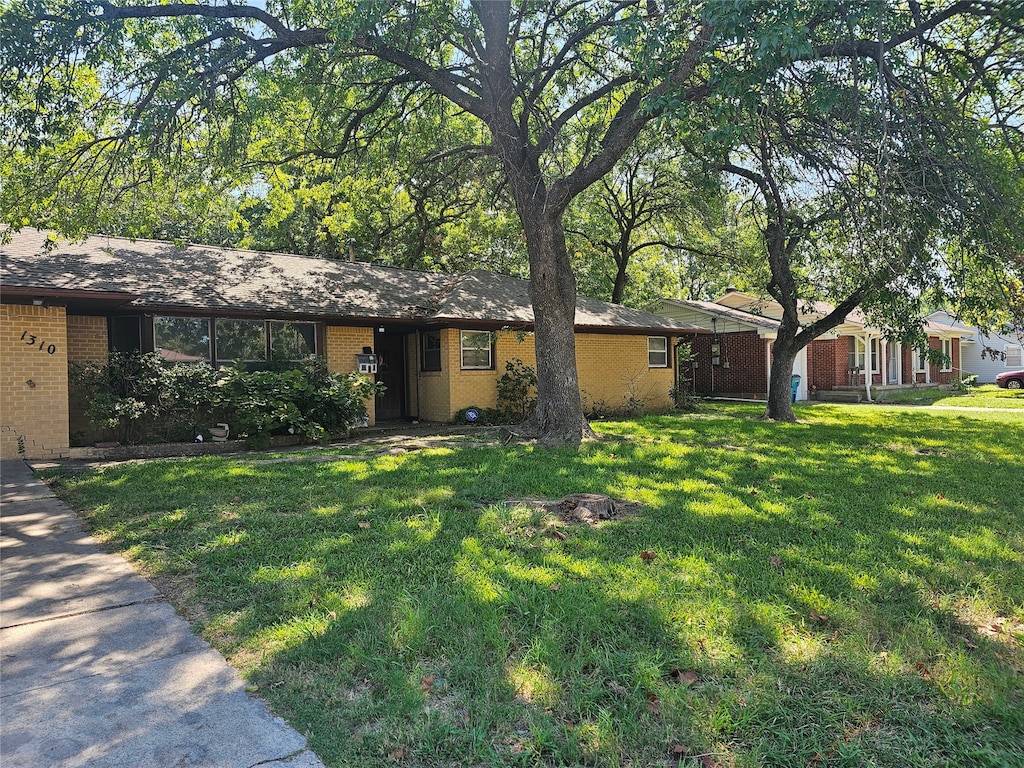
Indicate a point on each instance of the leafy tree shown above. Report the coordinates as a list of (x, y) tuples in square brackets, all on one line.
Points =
[(560, 91), (869, 173)]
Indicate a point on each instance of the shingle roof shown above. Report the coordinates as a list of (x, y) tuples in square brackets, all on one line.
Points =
[(164, 276)]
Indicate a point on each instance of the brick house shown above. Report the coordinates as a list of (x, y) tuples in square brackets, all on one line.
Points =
[(441, 341), (854, 361)]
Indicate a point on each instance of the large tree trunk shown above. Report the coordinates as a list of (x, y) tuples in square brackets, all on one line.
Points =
[(780, 406), (558, 418)]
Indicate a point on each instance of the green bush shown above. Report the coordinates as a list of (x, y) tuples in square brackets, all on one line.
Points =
[(122, 395), (517, 391), (307, 400), (138, 398)]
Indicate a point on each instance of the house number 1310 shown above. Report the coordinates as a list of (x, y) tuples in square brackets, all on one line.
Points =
[(30, 340)]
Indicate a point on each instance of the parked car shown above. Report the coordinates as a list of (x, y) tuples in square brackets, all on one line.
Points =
[(1011, 379)]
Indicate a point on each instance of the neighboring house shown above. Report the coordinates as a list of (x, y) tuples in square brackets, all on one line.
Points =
[(851, 362), (441, 340), (985, 355)]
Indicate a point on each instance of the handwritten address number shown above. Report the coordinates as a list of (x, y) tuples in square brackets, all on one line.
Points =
[(30, 340)]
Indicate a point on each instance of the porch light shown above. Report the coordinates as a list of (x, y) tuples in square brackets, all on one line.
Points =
[(39, 301)]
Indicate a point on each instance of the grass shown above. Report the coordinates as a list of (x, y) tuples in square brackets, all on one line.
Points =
[(984, 396), (845, 591)]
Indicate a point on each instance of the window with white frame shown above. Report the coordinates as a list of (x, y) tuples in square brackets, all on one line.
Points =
[(947, 355), (477, 348), (857, 354), (657, 352), (920, 360), (1013, 356)]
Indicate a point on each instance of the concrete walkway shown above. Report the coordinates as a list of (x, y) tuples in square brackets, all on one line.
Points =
[(96, 669)]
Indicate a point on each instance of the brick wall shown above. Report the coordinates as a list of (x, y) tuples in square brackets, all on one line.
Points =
[(747, 355), (611, 369), (935, 376), (343, 344), (35, 412), (87, 339), (822, 359), (87, 342), (614, 369)]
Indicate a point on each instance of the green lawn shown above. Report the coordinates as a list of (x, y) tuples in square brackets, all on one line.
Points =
[(845, 591), (984, 396)]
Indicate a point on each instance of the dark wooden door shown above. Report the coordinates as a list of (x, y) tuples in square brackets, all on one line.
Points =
[(390, 350)]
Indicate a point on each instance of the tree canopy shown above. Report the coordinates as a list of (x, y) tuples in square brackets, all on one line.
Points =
[(530, 104)]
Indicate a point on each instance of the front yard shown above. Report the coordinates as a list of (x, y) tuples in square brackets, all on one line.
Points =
[(845, 591), (984, 396)]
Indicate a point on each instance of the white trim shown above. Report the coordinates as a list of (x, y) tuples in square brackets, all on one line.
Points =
[(1017, 352), (657, 351), (946, 367), (463, 349)]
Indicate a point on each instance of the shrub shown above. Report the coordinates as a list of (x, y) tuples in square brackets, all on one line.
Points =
[(308, 401), (138, 397), (122, 395), (517, 389), (965, 383)]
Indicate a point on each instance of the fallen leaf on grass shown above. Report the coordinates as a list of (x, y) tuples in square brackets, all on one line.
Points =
[(683, 676), (922, 670), (558, 535), (397, 754), (555, 587), (251, 688), (775, 561), (653, 704), (678, 750), (427, 683), (820, 618), (648, 554), (364, 526), (709, 762)]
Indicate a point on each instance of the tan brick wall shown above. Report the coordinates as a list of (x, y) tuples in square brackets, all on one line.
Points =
[(611, 369), (37, 412), (614, 369), (87, 339), (87, 342), (343, 344)]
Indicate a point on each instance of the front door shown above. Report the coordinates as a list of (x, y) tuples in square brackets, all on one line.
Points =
[(390, 350), (894, 362)]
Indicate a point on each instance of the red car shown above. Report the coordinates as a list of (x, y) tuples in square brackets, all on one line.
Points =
[(1011, 380)]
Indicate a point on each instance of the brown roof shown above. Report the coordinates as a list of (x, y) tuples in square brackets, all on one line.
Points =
[(158, 275)]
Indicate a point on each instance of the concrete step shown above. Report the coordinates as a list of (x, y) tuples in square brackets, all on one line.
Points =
[(838, 396)]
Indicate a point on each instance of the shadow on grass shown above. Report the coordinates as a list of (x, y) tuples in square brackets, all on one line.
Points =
[(826, 593)]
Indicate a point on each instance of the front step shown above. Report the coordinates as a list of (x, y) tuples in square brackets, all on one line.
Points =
[(840, 396)]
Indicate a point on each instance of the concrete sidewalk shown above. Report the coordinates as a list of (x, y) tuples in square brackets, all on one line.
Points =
[(96, 669)]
